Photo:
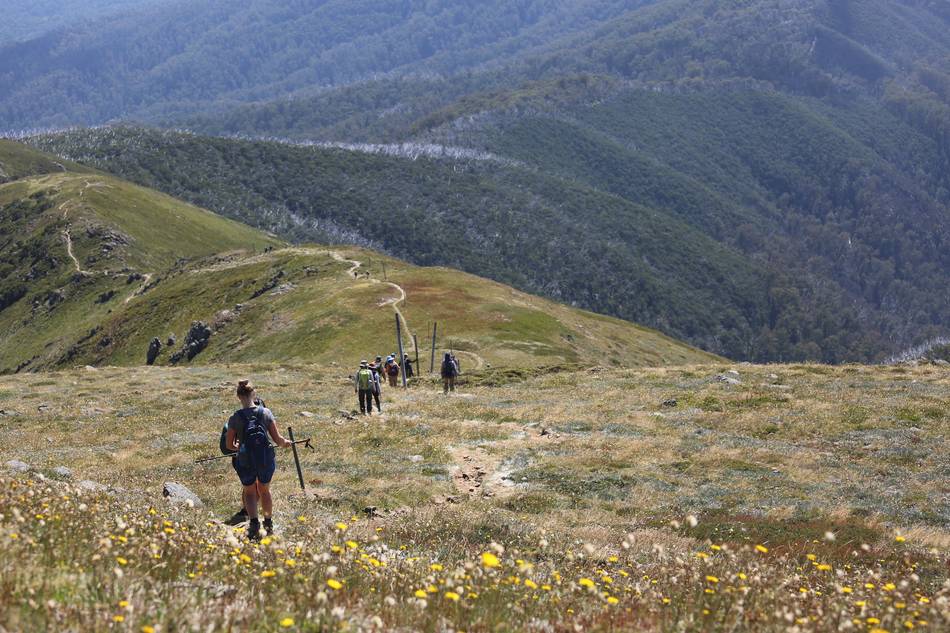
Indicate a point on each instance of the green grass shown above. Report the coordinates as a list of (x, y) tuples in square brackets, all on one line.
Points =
[(583, 501)]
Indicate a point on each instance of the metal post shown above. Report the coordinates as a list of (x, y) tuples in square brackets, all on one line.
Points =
[(293, 446), (435, 328), (400, 361), (415, 343)]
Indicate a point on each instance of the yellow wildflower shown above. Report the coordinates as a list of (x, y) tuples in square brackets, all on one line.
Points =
[(420, 593), (435, 567), (530, 584), (762, 548), (334, 584), (341, 526), (587, 582), (490, 560), (612, 600), (712, 579), (118, 618), (267, 573), (286, 623), (451, 595)]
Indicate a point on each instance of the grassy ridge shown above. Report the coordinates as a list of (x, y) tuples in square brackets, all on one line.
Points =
[(120, 236), (147, 266)]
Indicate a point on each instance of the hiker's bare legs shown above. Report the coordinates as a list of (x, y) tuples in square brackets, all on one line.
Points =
[(250, 500), (267, 503)]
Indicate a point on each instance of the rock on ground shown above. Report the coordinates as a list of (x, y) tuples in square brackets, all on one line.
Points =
[(18, 467), (62, 472), (177, 494)]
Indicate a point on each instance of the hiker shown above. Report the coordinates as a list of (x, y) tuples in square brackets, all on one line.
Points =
[(392, 371), (376, 388), (363, 385), (240, 516), (407, 366), (450, 372), (255, 462)]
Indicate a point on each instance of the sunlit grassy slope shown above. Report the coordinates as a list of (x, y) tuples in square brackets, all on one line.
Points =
[(120, 236), (581, 484), (95, 268), (308, 304)]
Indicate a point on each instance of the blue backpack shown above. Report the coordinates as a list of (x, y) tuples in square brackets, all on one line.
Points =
[(255, 448)]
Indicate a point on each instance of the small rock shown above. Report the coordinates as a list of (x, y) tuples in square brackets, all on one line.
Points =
[(306, 414), (178, 494), (729, 380), (941, 363), (62, 472), (18, 467), (91, 486), (91, 368), (733, 373), (670, 403), (415, 459)]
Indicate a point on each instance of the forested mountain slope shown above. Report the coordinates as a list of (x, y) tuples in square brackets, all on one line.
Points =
[(768, 179)]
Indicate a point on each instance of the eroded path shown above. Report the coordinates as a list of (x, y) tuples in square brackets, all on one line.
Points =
[(394, 302)]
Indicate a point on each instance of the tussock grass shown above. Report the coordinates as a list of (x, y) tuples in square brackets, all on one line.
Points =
[(603, 494)]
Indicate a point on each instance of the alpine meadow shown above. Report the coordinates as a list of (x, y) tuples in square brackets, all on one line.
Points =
[(460, 317)]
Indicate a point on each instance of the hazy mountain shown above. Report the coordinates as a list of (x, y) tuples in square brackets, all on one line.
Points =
[(793, 157), (28, 19)]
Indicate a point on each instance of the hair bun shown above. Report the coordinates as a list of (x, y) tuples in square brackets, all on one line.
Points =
[(245, 388)]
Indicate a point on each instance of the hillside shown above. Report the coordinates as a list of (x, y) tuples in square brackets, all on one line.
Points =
[(95, 268), (78, 246), (800, 497)]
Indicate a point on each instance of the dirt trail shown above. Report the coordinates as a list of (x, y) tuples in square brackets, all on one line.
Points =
[(146, 280), (69, 251), (479, 473), (354, 272)]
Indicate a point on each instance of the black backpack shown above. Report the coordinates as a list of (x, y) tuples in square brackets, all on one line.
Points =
[(223, 440)]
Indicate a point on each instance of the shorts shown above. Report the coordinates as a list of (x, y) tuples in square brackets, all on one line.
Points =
[(256, 473)]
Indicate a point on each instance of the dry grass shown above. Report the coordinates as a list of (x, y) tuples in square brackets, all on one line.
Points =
[(792, 453)]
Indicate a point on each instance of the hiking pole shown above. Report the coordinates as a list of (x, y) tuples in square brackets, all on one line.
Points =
[(305, 442), (293, 445)]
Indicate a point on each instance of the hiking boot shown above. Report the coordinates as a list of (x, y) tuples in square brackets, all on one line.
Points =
[(239, 517), (254, 530), (268, 525)]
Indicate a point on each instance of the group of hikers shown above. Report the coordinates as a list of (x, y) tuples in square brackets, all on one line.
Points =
[(369, 378), (251, 434)]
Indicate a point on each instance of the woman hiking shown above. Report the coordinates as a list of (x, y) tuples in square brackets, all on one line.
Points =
[(255, 463)]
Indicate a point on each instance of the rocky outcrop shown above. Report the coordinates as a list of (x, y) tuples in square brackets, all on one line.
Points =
[(196, 341), (154, 349)]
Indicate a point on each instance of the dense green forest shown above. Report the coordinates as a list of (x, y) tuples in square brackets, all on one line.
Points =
[(659, 261)]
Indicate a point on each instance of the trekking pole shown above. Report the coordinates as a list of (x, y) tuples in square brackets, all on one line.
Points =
[(305, 442), (435, 328), (402, 356), (293, 446)]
